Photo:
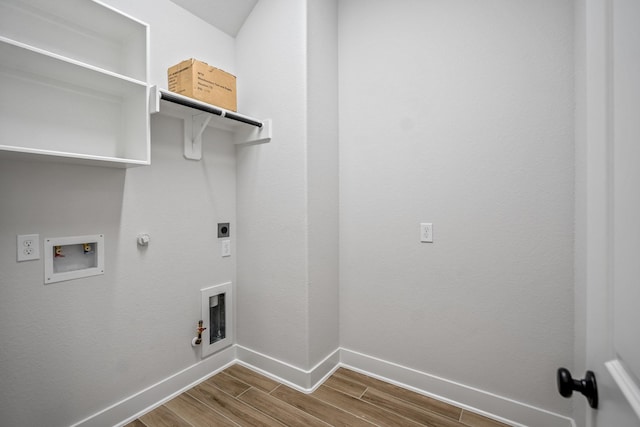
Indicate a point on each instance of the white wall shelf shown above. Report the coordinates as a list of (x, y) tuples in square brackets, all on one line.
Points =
[(198, 115), (74, 82)]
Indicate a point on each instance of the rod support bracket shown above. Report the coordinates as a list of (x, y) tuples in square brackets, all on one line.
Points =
[(194, 127)]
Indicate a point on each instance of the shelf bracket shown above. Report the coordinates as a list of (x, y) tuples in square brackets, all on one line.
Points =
[(193, 129), (256, 135), (246, 130), (154, 99), (194, 126)]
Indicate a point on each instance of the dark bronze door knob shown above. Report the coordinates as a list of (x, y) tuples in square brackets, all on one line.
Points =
[(586, 386)]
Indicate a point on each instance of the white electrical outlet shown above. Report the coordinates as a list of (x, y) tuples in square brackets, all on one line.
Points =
[(426, 232), (28, 247), (225, 248)]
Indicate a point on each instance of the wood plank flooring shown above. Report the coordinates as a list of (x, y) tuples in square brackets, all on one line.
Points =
[(239, 396)]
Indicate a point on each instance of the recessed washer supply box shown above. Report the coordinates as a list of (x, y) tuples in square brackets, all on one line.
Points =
[(199, 80), (67, 258)]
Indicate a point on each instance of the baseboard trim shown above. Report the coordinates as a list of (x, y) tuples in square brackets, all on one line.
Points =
[(472, 399), (156, 394), (479, 401), (302, 380)]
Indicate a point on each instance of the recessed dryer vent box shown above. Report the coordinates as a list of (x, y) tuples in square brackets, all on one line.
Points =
[(67, 258), (217, 316)]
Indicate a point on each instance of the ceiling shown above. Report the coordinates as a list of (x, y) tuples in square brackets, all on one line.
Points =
[(226, 15)]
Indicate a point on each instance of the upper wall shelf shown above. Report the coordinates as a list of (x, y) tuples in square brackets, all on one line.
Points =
[(74, 83), (198, 115)]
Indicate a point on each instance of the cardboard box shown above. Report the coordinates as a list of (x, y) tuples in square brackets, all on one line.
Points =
[(203, 82)]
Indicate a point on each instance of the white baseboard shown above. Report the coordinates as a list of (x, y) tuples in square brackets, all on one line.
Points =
[(475, 400), (302, 380), (306, 381), (142, 402)]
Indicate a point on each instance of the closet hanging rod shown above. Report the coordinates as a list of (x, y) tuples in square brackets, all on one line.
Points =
[(179, 99)]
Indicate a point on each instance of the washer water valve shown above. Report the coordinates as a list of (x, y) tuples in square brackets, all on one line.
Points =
[(198, 340)]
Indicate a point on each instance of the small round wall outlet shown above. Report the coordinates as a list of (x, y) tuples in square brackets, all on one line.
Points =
[(223, 229)]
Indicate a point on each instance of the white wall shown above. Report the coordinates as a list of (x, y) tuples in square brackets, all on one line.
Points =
[(287, 190), (322, 176), (70, 349), (272, 205), (460, 114), (580, 208), (453, 113)]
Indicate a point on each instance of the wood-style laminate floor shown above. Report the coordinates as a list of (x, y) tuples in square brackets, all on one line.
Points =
[(239, 396)]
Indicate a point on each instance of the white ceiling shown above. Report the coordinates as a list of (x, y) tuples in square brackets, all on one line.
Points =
[(226, 15)]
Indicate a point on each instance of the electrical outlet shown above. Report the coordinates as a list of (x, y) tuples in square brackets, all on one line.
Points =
[(28, 247), (426, 232), (223, 229), (225, 248)]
